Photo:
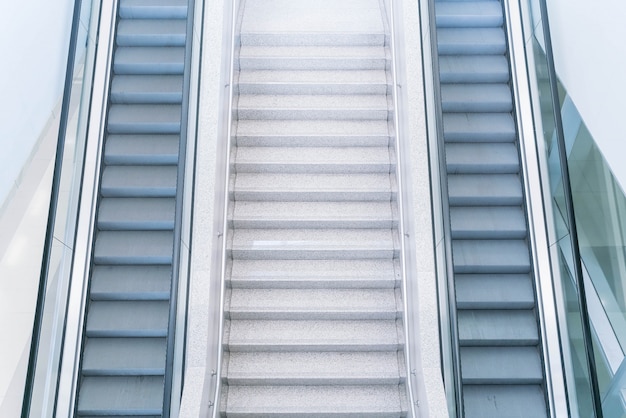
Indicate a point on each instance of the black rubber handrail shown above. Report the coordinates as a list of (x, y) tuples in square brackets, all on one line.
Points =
[(445, 209), (52, 212), (569, 209)]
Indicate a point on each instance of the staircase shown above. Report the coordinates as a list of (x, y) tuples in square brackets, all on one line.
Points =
[(124, 350), (501, 352), (313, 306)]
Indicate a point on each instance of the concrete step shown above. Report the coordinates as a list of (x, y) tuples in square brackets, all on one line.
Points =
[(309, 133), (120, 395), (134, 247), (479, 127), (131, 282), (312, 58), (153, 9), (476, 98), (469, 14), (138, 181), (124, 357), (314, 274), (370, 401), (501, 365), (289, 244), (312, 39), (151, 32), (335, 160), (484, 189), (314, 215), (144, 213), (313, 187), (309, 304), (494, 291), (147, 89), (320, 335), (473, 69), (491, 256), (315, 368), (470, 41), (482, 158), (496, 222), (281, 107), (144, 119), (149, 60), (505, 327), (491, 401), (141, 149), (313, 82), (127, 319)]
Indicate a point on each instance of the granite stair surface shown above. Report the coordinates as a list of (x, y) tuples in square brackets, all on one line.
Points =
[(501, 355), (313, 308)]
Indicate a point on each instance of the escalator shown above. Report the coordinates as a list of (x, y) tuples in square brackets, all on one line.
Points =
[(127, 339), (502, 370), (313, 311)]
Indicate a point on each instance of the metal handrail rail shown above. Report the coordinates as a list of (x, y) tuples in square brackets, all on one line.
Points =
[(569, 208), (445, 209), (52, 212)]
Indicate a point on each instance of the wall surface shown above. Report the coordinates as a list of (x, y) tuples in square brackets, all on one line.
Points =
[(588, 41), (34, 38)]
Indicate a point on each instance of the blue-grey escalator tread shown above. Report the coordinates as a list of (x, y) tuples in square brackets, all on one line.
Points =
[(141, 149), (491, 256), (468, 14), (469, 41), (134, 247), (134, 282), (478, 98), (127, 319), (139, 181), (504, 327), (149, 60), (482, 158), (124, 356), (151, 32), (120, 395), (489, 222), (154, 89), (473, 69), (479, 127), (153, 9), (144, 119), (143, 213), (494, 291), (484, 189), (501, 365), (496, 401)]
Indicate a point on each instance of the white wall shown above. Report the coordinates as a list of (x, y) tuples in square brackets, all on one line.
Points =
[(34, 39), (590, 57)]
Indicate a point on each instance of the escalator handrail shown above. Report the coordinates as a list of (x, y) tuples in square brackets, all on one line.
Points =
[(569, 208), (52, 212)]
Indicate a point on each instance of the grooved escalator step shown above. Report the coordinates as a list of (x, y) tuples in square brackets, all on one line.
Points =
[(501, 365), (479, 127), (153, 9), (147, 89), (314, 368), (473, 69), (497, 222), (497, 327), (470, 41), (144, 119), (468, 14), (482, 158), (138, 181), (127, 319), (312, 304), (144, 213), (484, 189), (476, 98), (494, 291), (124, 356), (131, 282), (134, 247), (496, 401), (141, 149), (149, 60), (151, 32), (491, 256), (120, 395)]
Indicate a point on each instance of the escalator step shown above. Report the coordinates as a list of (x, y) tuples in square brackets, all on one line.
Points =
[(479, 127), (484, 189), (491, 256), (144, 119), (124, 356), (149, 60), (469, 41), (473, 69), (141, 149), (133, 247), (147, 89), (494, 365), (139, 181), (490, 222), (144, 213), (476, 98), (496, 401), (127, 319), (131, 282), (153, 9), (494, 291), (120, 395), (482, 158), (497, 327), (468, 14)]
